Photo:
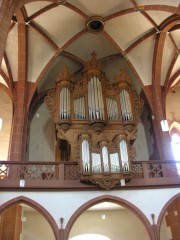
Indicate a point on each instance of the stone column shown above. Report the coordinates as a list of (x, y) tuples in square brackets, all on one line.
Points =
[(173, 219), (17, 148), (163, 139), (10, 224)]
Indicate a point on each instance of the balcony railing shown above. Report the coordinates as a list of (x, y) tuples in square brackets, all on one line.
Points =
[(65, 175)]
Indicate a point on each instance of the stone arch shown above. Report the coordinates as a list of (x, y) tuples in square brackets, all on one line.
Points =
[(163, 211), (35, 205), (174, 128), (111, 199)]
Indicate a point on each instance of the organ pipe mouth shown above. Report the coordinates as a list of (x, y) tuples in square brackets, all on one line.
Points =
[(95, 24)]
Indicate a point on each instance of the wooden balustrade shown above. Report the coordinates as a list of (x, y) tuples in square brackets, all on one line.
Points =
[(65, 175)]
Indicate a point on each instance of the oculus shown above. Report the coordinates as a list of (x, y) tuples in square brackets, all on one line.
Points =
[(95, 24)]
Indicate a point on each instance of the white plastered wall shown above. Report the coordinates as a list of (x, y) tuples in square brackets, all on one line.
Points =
[(64, 204), (6, 116), (140, 144), (36, 227), (41, 136), (115, 226)]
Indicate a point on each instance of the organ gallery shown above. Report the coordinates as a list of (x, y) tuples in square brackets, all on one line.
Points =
[(96, 123)]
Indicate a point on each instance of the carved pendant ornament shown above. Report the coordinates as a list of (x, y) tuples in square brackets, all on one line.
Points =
[(96, 123)]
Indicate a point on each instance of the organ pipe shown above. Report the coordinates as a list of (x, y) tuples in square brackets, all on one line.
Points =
[(96, 163), (85, 156), (105, 159), (101, 101), (112, 109), (125, 103), (79, 108), (64, 104), (95, 99), (114, 161), (124, 155)]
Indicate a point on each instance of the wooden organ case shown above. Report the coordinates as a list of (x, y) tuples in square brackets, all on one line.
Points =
[(96, 123)]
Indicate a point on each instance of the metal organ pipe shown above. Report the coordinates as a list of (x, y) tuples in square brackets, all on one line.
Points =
[(60, 104), (107, 104), (98, 100), (83, 107), (115, 107), (129, 105), (92, 98), (98, 105), (89, 101), (105, 159), (64, 107), (124, 155), (85, 156), (96, 162), (112, 109), (67, 103), (64, 103), (79, 108), (101, 100), (69, 106), (114, 160), (125, 105), (95, 99), (123, 109)]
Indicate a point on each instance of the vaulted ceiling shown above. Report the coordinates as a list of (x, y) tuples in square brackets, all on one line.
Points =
[(141, 35)]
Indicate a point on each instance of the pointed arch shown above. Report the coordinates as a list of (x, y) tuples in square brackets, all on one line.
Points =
[(174, 128), (35, 205), (111, 199), (164, 209)]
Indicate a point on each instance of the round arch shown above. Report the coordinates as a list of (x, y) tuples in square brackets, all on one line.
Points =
[(35, 205), (111, 199)]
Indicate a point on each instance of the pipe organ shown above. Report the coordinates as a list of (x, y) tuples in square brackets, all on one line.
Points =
[(98, 119)]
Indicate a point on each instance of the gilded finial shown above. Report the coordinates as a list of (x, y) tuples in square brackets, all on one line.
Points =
[(123, 78)]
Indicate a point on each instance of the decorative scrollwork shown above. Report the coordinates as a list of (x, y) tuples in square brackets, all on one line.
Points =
[(138, 103), (132, 152), (71, 172), (50, 102), (137, 170), (105, 183), (155, 170)]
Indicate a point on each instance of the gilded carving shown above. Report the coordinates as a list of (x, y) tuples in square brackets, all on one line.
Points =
[(50, 102), (105, 183), (138, 103)]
